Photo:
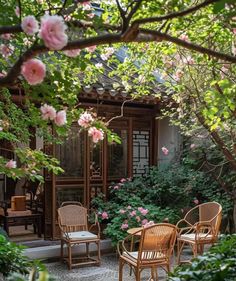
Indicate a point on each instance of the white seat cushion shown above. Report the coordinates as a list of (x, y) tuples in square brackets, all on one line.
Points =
[(191, 236), (81, 235), (134, 255)]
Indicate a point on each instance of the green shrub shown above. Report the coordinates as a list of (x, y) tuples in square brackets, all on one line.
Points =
[(12, 258), (218, 264)]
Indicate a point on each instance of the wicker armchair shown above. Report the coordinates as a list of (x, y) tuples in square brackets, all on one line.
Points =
[(199, 227), (73, 223), (155, 249)]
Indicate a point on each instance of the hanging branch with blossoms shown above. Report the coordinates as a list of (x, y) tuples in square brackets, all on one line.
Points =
[(47, 46)]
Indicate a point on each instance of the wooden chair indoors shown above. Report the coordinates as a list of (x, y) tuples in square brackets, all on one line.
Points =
[(199, 227), (73, 223), (155, 249)]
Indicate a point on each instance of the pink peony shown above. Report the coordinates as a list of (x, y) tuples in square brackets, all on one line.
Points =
[(53, 32), (30, 25), (165, 150), (116, 187), (6, 36), (85, 119), (133, 213), (60, 118), (72, 53), (122, 211), (33, 71), (143, 211), (48, 112), (96, 134), (145, 221), (105, 216), (91, 49), (123, 180), (17, 11), (124, 226), (11, 164), (6, 50)]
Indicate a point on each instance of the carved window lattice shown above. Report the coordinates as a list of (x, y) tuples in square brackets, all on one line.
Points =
[(141, 144)]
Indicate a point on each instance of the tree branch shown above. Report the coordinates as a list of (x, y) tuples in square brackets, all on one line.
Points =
[(176, 14)]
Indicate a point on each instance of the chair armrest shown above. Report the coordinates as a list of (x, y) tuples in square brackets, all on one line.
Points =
[(181, 221), (96, 226)]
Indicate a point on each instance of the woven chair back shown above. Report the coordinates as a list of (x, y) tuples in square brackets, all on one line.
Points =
[(157, 242), (210, 212), (73, 218)]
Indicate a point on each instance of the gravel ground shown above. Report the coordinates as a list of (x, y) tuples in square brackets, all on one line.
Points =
[(108, 271)]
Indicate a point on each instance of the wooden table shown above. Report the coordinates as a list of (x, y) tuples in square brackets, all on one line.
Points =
[(35, 219)]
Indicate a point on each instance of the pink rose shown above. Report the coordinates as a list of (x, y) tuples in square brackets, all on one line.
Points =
[(104, 215), (33, 71), (143, 211), (165, 150), (116, 187), (195, 201), (124, 226), (6, 50), (86, 6), (53, 32), (17, 11), (122, 211), (60, 118), (123, 180), (129, 207), (48, 112), (85, 119), (133, 213), (96, 134), (6, 36), (144, 221), (72, 53), (91, 49), (184, 37), (30, 25), (11, 164)]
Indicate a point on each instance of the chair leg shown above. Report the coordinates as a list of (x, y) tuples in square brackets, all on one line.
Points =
[(99, 252), (87, 250), (62, 250), (195, 246), (154, 274), (180, 246), (121, 265), (69, 256), (138, 274)]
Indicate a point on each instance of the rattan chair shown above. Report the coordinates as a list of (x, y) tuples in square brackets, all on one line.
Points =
[(200, 226), (73, 223), (155, 249)]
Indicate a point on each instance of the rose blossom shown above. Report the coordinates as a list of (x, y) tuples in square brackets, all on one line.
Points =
[(6, 50), (143, 211), (17, 11), (122, 211), (195, 201), (6, 36), (133, 213), (11, 164), (48, 112), (85, 119), (91, 49), (72, 53), (104, 215), (184, 37), (144, 221), (86, 5), (123, 180), (30, 25), (60, 118), (53, 32), (124, 226), (138, 219), (33, 71), (116, 187), (96, 134), (165, 150)]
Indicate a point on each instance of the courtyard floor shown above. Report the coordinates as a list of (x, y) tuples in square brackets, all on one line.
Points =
[(108, 271)]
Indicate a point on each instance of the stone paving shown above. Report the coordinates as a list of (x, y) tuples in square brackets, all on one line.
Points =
[(108, 271)]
